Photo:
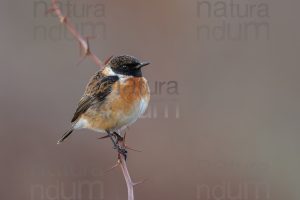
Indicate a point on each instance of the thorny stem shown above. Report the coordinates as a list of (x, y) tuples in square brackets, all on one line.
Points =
[(127, 177), (84, 46), (122, 163), (83, 42)]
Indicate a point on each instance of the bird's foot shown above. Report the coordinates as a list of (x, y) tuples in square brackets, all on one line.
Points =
[(118, 137), (121, 150), (119, 145), (122, 140)]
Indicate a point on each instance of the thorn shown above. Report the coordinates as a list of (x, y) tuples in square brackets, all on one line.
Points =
[(87, 50), (63, 19), (140, 182), (129, 148), (126, 146), (113, 167), (104, 137)]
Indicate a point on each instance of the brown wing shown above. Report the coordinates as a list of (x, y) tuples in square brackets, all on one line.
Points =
[(96, 91)]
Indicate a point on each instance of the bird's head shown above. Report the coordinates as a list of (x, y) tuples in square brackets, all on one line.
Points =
[(126, 65)]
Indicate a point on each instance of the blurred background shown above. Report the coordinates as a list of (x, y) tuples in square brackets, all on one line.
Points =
[(223, 123)]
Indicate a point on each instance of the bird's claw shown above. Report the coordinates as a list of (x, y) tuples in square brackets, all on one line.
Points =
[(122, 151)]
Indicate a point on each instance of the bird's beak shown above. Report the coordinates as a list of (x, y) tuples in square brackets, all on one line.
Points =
[(143, 64)]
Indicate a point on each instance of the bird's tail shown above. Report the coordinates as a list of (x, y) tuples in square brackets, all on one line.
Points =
[(65, 135)]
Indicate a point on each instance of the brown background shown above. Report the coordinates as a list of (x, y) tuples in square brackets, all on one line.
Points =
[(238, 100)]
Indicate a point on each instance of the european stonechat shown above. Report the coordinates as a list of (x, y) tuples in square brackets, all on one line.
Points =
[(114, 98)]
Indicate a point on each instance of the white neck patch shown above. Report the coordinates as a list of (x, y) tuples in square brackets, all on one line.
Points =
[(109, 72)]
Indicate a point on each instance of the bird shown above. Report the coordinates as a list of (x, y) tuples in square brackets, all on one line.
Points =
[(114, 98)]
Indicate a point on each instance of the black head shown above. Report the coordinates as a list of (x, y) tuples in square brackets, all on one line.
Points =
[(127, 65)]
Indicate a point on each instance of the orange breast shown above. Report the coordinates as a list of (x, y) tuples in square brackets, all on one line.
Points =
[(120, 106)]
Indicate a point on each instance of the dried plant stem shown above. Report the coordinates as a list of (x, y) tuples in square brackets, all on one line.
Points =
[(127, 177), (83, 41), (84, 46)]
